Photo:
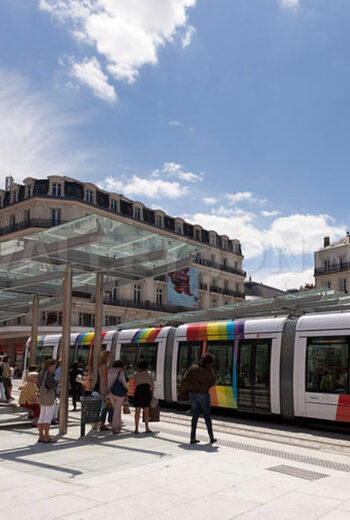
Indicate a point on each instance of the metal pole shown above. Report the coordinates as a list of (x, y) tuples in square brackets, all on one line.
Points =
[(34, 333), (65, 344), (98, 321)]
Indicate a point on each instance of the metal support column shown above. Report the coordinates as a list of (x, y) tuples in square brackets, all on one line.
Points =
[(65, 344), (98, 321), (34, 332)]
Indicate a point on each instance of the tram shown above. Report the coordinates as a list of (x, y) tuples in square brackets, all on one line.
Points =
[(292, 367)]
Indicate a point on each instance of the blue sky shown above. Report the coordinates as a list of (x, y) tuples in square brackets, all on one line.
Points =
[(233, 113)]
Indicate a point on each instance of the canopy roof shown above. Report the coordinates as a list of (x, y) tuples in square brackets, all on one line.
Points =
[(295, 304), (35, 263)]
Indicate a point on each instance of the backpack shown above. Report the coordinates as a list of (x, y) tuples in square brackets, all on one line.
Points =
[(118, 388)]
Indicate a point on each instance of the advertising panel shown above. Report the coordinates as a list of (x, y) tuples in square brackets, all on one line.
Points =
[(183, 287)]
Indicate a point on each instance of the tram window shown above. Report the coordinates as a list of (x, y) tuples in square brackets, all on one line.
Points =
[(132, 354), (223, 354), (328, 365), (189, 354), (44, 353), (83, 356)]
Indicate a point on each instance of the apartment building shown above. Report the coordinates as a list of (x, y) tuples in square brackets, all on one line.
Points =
[(332, 264), (43, 203)]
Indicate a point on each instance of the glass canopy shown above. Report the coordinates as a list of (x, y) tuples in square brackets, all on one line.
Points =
[(35, 263)]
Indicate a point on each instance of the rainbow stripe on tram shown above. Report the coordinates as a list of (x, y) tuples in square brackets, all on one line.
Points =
[(146, 335), (40, 341), (223, 396)]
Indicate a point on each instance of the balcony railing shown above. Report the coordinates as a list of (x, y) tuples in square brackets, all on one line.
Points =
[(334, 268), (147, 305), (30, 223), (220, 267)]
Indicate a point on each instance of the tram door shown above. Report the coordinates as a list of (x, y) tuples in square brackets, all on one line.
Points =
[(253, 375)]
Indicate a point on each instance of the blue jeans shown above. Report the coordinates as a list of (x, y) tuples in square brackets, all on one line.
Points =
[(105, 412), (200, 403)]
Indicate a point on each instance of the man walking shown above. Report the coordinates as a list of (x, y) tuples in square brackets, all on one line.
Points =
[(196, 383)]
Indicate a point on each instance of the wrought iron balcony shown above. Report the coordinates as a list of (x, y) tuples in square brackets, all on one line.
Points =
[(146, 305), (334, 268), (30, 223), (220, 267)]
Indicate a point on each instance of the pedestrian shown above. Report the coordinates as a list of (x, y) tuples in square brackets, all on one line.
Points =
[(144, 383), (118, 388), (28, 398), (6, 377), (196, 383), (47, 396), (3, 396), (76, 387), (58, 376), (102, 384)]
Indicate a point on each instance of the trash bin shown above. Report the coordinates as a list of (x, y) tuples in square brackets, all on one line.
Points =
[(90, 411)]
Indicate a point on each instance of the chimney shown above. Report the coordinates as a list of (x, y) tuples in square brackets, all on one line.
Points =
[(326, 241)]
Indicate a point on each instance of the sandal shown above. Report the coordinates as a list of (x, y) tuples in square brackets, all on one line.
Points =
[(40, 440), (148, 431), (104, 428), (51, 440)]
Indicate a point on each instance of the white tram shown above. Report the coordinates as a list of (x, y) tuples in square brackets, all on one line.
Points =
[(283, 366)]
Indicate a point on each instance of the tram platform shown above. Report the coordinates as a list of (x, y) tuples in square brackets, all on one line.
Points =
[(257, 470)]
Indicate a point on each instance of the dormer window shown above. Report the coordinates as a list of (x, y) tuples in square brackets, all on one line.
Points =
[(15, 196), (159, 222), (57, 189), (178, 228), (114, 205), (137, 213), (89, 196)]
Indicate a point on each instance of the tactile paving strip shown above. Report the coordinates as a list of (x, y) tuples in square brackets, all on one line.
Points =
[(329, 464), (298, 472)]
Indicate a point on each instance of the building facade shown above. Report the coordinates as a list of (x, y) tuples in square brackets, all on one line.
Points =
[(332, 264), (42, 203)]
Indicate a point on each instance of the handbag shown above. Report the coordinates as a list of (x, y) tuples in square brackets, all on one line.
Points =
[(154, 402), (154, 414), (126, 407), (46, 396), (118, 388)]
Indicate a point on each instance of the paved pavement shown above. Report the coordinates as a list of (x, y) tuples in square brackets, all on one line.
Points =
[(257, 471)]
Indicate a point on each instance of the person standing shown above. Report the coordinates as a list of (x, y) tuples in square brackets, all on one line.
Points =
[(103, 389), (3, 396), (196, 383), (47, 396), (28, 398), (6, 378), (118, 388), (144, 383), (76, 387)]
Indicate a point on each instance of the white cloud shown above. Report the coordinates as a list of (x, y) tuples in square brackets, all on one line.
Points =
[(186, 40), (210, 200), (293, 235), (233, 198), (140, 187), (288, 280), (175, 123), (172, 169), (291, 4), (273, 213), (89, 72), (126, 34), (35, 136)]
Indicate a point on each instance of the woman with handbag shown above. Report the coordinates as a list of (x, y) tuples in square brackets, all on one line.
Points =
[(144, 383), (47, 383), (118, 388)]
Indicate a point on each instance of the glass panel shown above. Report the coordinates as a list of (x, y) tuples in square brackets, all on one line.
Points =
[(83, 356), (148, 352), (245, 367), (128, 356), (43, 353), (189, 354), (223, 353), (133, 354), (262, 366), (328, 365)]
